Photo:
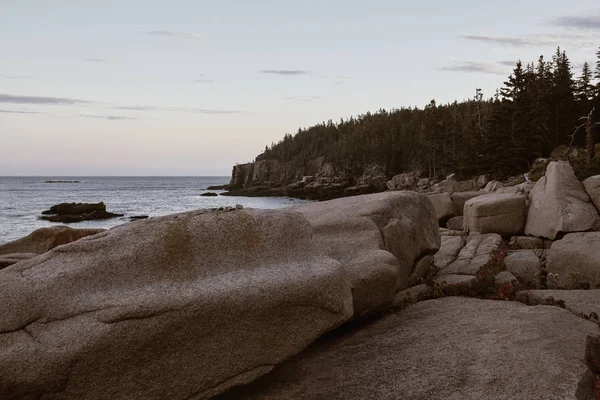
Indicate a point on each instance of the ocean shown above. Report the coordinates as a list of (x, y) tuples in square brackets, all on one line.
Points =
[(22, 199)]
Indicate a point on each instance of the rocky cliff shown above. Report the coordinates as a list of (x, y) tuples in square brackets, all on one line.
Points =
[(316, 179)]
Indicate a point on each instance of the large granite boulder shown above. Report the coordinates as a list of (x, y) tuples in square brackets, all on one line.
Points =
[(475, 254), (450, 348), (592, 187), (45, 239), (442, 203), (378, 239), (178, 307), (559, 204), (574, 261), (504, 214)]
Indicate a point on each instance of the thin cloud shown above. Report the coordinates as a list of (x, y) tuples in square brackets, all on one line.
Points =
[(98, 60), (20, 77), (108, 117), (285, 72), (570, 40), (584, 22), (303, 99), (473, 66), (203, 81), (60, 101), (177, 109), (508, 63), (19, 112), (184, 35)]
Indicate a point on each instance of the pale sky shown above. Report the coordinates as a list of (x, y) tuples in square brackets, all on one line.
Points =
[(148, 87)]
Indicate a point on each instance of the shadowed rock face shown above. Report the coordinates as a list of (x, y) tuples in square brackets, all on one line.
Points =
[(378, 239), (177, 307), (77, 212), (450, 348), (45, 239)]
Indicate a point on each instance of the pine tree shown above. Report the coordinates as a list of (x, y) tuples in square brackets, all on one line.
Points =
[(584, 87)]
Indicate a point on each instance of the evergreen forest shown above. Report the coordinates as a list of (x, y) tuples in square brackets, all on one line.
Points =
[(541, 106)]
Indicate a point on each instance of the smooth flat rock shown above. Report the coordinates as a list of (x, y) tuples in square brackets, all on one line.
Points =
[(451, 232), (13, 258), (474, 255), (45, 239), (579, 302), (525, 265), (378, 239), (177, 307), (451, 348), (449, 250), (559, 204), (574, 261), (504, 214)]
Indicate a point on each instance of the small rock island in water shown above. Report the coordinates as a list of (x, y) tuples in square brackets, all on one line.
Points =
[(77, 212)]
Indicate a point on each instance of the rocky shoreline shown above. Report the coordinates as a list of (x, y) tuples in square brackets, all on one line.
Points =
[(490, 293)]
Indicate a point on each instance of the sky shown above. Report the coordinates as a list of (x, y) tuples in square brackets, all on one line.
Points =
[(149, 87)]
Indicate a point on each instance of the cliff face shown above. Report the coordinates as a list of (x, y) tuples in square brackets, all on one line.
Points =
[(315, 179)]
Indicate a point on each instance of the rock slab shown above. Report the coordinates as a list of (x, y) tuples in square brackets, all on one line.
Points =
[(451, 348), (177, 307)]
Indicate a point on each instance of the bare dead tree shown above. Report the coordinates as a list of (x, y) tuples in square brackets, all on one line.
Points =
[(590, 138)]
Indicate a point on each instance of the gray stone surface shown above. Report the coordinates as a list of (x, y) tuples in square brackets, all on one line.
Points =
[(455, 280), (525, 265), (504, 214), (559, 204), (574, 261), (420, 270), (592, 187), (579, 302), (44, 239), (455, 223), (527, 242), (411, 295), (377, 238), (449, 250), (505, 277), (177, 307), (492, 186), (474, 255), (452, 348), (13, 258), (451, 232), (460, 198), (442, 203)]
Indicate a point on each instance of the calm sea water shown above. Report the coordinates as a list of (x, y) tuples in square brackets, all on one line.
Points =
[(22, 199)]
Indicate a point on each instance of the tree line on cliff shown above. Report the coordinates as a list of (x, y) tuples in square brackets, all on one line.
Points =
[(538, 108)]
